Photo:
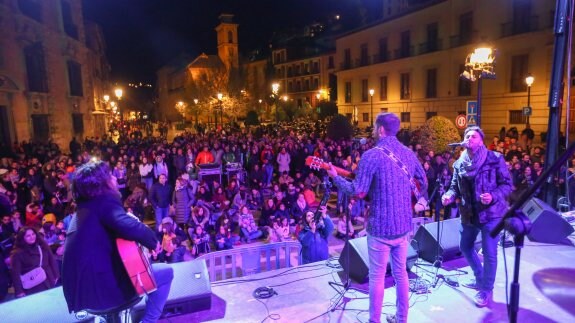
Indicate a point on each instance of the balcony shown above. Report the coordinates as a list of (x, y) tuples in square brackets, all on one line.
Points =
[(403, 52), (430, 47), (517, 27), (345, 66), (360, 62), (381, 57), (462, 39)]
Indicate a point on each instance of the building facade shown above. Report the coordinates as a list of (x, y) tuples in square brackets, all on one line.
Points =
[(52, 71), (413, 59), (304, 77)]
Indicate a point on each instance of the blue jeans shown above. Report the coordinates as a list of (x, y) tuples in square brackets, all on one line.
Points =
[(251, 235), (379, 250), (148, 181), (484, 274), (161, 212), (163, 274)]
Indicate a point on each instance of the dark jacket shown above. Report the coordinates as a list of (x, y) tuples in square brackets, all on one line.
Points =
[(160, 195), (182, 200), (492, 177), (93, 276), (314, 246), (25, 259)]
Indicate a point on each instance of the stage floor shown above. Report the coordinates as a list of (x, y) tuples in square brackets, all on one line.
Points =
[(304, 293)]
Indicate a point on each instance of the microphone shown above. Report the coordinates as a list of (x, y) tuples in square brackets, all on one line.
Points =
[(458, 144), (362, 141)]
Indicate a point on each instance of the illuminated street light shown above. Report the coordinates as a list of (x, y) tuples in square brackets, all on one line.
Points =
[(220, 97), (479, 65), (275, 90), (119, 93), (529, 81), (371, 92)]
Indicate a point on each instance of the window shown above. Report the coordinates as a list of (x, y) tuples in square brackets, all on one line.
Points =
[(347, 58), (315, 67), (31, 8), (517, 117), (519, 68), (35, 68), (365, 117), (405, 49), (383, 50), (75, 79), (364, 91), (306, 85), (349, 116), (298, 86), (465, 28), (383, 88), (290, 87), (230, 37), (278, 58), (41, 127), (521, 16), (315, 83), (67, 20), (347, 92), (430, 114), (406, 117), (432, 37), (330, 63), (431, 88), (405, 89), (464, 86), (77, 123), (364, 55)]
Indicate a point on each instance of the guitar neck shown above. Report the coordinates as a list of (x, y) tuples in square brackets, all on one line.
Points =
[(317, 163)]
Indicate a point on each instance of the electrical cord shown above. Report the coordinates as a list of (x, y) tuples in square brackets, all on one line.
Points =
[(265, 293)]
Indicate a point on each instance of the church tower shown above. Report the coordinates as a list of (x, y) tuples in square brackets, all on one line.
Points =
[(228, 41)]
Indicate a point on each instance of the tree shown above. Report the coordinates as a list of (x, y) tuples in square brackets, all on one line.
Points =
[(339, 128), (326, 109), (252, 118), (436, 133)]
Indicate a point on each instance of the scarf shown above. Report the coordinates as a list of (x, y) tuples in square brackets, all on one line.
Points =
[(471, 164)]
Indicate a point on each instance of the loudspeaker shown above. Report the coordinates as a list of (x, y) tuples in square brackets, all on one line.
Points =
[(190, 291), (358, 266), (425, 241), (548, 225)]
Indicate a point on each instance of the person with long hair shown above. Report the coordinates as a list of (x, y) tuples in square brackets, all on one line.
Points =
[(93, 277), (29, 248)]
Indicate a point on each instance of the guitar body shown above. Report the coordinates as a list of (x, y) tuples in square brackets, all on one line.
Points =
[(137, 266)]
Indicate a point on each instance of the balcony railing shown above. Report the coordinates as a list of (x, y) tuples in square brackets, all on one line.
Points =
[(403, 52), (238, 262), (430, 47), (517, 27), (462, 39)]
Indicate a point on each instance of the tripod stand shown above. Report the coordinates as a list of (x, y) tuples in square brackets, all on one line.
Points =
[(438, 263)]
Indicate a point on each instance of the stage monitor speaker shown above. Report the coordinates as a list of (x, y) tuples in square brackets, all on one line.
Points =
[(190, 291), (425, 241), (548, 225), (358, 265)]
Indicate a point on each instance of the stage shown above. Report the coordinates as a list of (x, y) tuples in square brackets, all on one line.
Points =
[(547, 281), (304, 293)]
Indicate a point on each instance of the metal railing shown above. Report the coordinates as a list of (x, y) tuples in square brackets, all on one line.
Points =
[(245, 261)]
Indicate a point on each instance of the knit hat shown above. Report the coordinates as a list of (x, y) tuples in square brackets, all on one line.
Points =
[(476, 129), (49, 217), (167, 220)]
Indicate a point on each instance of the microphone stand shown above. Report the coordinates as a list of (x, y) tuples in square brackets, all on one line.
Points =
[(438, 263)]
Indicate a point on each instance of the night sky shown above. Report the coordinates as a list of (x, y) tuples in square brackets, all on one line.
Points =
[(143, 35)]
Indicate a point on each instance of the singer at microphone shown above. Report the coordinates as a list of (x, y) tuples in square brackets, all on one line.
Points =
[(458, 144)]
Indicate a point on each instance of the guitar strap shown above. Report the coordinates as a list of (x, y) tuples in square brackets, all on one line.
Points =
[(401, 166)]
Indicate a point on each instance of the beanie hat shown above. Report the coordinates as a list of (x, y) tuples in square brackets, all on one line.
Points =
[(167, 220)]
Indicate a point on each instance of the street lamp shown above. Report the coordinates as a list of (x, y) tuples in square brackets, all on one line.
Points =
[(529, 81), (220, 97), (275, 90), (119, 93), (196, 110), (479, 65), (180, 106), (371, 92)]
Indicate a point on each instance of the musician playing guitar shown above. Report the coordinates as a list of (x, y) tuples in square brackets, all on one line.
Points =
[(93, 274)]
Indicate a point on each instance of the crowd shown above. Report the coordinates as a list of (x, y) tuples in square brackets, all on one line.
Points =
[(268, 194)]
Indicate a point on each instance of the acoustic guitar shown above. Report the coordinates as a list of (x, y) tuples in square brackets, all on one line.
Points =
[(137, 265)]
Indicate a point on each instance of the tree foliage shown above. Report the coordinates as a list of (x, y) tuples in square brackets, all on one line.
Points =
[(436, 133), (252, 118), (326, 109), (339, 128)]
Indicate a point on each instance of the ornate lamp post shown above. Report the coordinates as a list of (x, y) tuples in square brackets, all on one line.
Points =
[(479, 65), (371, 92), (529, 81), (196, 110)]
